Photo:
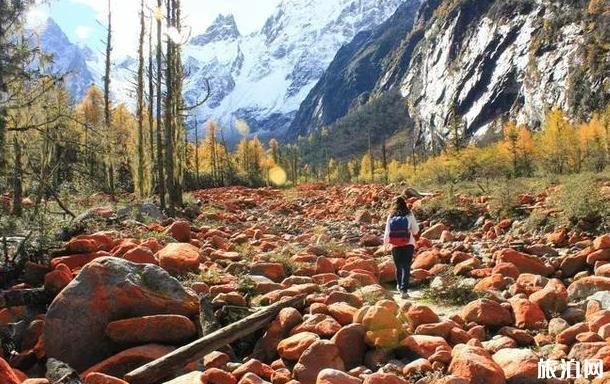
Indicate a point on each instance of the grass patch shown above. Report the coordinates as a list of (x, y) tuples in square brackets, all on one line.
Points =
[(449, 289)]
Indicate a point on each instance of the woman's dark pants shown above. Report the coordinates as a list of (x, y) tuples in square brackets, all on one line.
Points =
[(403, 256)]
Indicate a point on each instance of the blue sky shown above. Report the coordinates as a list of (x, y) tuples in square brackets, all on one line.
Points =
[(79, 18)]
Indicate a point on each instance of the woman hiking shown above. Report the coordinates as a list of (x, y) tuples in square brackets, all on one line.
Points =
[(399, 230)]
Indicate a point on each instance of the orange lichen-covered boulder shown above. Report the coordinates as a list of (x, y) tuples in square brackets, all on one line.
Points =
[(100, 378), (168, 329), (7, 375), (179, 258), (105, 290), (180, 231), (525, 263), (486, 312), (125, 361), (475, 365), (320, 355)]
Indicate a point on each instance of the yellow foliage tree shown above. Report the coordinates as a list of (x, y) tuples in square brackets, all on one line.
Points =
[(558, 144)]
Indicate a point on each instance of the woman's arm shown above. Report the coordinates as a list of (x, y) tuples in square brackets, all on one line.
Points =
[(386, 234), (413, 224)]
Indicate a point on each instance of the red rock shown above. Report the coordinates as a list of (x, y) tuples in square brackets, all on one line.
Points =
[(421, 314), (179, 258), (342, 312), (253, 366), (598, 319), (273, 271), (217, 376), (495, 282), (333, 376), (166, 329), (602, 242), (356, 263), (100, 378), (7, 375), (350, 341), (585, 351), (417, 367), (587, 286), (558, 238), (215, 359), (527, 314), (486, 312), (425, 346), (425, 260), (180, 231), (104, 290), (475, 365), (506, 269), (525, 263), (383, 378), (599, 255), (292, 347), (553, 298), (519, 365), (123, 362), (251, 378), (140, 254), (82, 245), (521, 336), (58, 279), (320, 324), (434, 232), (440, 329), (377, 317), (77, 261), (568, 336), (320, 355)]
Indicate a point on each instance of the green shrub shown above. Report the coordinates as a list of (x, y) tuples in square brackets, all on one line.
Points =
[(582, 204), (449, 289)]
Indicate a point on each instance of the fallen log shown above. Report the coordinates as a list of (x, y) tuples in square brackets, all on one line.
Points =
[(160, 368), (61, 373), (19, 297)]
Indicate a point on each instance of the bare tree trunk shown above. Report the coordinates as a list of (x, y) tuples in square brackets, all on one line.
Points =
[(3, 95), (140, 109), (196, 154), (169, 111), (107, 114), (160, 128), (17, 173), (151, 96)]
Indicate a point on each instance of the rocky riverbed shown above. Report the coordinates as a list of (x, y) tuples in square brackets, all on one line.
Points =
[(132, 293)]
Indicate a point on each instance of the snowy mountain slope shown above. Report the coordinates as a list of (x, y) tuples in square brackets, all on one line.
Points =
[(263, 77), (68, 59)]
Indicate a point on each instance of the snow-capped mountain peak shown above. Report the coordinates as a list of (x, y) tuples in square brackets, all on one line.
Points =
[(224, 28)]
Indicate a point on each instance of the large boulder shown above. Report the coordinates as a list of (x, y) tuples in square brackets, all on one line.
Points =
[(320, 355), (487, 312), (179, 258), (475, 365), (520, 366), (525, 263), (167, 329), (106, 290)]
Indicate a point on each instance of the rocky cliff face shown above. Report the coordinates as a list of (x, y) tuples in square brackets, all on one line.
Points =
[(484, 60)]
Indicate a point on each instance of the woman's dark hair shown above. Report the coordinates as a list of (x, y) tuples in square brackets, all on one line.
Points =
[(400, 207)]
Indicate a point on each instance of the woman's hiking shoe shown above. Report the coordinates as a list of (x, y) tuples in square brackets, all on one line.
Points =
[(405, 295)]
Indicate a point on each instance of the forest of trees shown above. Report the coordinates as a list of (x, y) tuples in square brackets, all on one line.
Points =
[(52, 148)]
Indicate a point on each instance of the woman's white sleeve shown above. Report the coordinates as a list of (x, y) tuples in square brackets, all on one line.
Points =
[(414, 225), (386, 234)]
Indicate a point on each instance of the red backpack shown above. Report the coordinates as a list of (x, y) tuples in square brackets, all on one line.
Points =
[(399, 231)]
